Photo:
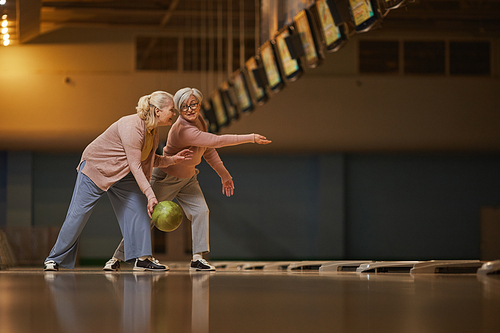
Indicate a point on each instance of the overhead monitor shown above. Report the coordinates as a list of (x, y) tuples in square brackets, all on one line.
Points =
[(218, 109), (255, 77), (304, 25), (243, 97), (332, 30), (364, 14), (228, 96), (273, 74), (289, 53), (209, 116)]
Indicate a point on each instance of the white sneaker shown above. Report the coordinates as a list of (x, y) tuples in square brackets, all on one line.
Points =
[(201, 265), (50, 265), (112, 264)]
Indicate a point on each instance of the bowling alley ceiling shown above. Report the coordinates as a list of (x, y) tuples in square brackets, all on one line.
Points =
[(35, 17)]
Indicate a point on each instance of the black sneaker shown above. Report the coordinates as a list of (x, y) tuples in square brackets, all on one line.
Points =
[(201, 265), (150, 264), (50, 265)]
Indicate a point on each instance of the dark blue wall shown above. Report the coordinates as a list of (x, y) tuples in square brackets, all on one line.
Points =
[(354, 206), (418, 207), (3, 188), (284, 207), (329, 206)]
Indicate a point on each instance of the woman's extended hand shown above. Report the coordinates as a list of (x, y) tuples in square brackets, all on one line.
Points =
[(151, 205), (183, 155), (261, 140), (228, 188)]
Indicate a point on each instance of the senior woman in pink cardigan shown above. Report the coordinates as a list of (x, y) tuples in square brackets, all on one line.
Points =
[(179, 181), (119, 162)]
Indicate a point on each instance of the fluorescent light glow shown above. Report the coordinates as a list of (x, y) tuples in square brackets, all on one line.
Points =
[(5, 30)]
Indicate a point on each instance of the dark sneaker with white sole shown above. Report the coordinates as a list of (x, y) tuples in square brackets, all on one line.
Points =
[(149, 264), (112, 265), (50, 265), (201, 265)]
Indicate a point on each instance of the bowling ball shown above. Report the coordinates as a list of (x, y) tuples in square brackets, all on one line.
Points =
[(167, 216)]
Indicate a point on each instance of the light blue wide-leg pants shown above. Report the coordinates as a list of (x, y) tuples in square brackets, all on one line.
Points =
[(130, 206), (188, 193)]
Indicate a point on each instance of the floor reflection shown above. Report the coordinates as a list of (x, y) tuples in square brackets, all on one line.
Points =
[(200, 302), (218, 302), (123, 302)]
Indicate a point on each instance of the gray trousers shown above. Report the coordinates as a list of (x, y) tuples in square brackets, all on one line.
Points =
[(130, 206), (188, 193)]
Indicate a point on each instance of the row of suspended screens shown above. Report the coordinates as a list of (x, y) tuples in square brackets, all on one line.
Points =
[(323, 27)]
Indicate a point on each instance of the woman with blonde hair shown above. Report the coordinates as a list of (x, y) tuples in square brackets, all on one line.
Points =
[(119, 162), (180, 181)]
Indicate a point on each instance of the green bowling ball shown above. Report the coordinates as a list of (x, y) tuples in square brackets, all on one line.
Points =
[(167, 216)]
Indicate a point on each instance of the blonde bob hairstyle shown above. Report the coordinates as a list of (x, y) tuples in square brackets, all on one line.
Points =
[(147, 104), (182, 95)]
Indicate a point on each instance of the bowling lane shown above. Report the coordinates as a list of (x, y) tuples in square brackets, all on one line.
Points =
[(89, 300)]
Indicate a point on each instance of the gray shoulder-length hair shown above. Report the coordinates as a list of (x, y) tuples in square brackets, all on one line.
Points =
[(146, 107), (183, 94)]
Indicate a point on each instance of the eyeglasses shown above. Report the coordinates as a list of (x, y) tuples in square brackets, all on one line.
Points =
[(191, 106)]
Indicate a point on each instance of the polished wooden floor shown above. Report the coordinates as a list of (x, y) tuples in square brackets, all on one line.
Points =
[(235, 300)]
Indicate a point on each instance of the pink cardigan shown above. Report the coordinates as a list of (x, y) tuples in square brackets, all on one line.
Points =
[(117, 151), (194, 136)]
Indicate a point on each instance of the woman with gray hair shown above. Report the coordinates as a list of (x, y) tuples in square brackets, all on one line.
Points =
[(179, 181), (119, 162)]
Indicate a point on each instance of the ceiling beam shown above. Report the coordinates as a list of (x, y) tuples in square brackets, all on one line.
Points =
[(55, 13), (28, 19)]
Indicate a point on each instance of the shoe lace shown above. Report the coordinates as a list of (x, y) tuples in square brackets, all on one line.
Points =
[(203, 261), (154, 260), (112, 261)]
